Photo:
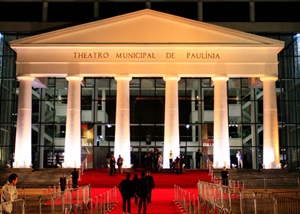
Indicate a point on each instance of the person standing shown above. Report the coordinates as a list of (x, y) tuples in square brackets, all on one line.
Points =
[(177, 165), (135, 181), (151, 185), (160, 162), (198, 159), (62, 183), (108, 156), (120, 164), (57, 157), (246, 163), (180, 163), (171, 157), (75, 177), (9, 193), (112, 165), (12, 157), (224, 175), (126, 189), (142, 192), (239, 157), (156, 160)]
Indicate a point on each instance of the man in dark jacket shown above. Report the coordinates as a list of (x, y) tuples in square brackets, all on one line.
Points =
[(142, 192), (127, 191), (75, 177), (63, 182), (198, 159), (151, 185), (224, 175), (112, 165)]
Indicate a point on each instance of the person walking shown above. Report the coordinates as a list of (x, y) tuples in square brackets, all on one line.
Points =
[(112, 165), (62, 183), (126, 189), (120, 164), (75, 177), (142, 192), (135, 181), (9, 193), (239, 157), (224, 175), (151, 185)]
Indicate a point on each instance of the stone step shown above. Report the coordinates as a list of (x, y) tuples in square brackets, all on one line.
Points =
[(37, 177), (245, 174)]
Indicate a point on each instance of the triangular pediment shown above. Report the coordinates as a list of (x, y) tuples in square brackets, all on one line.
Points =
[(147, 27)]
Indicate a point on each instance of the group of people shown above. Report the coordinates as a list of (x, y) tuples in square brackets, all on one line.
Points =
[(242, 160), (178, 164), (63, 180), (240, 164), (154, 161), (138, 188), (111, 160)]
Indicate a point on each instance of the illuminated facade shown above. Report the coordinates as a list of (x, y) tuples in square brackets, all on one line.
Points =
[(137, 88)]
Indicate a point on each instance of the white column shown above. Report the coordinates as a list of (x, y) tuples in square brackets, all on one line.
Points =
[(73, 130), (122, 133), (171, 137), (23, 132), (271, 158), (45, 11), (254, 117), (193, 105), (200, 10), (221, 154), (95, 113), (103, 109)]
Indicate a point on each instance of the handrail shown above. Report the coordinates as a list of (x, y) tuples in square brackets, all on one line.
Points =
[(234, 199)]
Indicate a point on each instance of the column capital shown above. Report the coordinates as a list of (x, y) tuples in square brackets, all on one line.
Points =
[(69, 78), (223, 77), (25, 77), (269, 78), (174, 77), (123, 77)]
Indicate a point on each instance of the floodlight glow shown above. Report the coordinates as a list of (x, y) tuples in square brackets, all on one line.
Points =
[(171, 136), (221, 140), (271, 156), (72, 143), (122, 134), (23, 132)]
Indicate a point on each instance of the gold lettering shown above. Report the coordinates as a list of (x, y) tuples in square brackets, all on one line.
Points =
[(203, 55), (90, 55), (135, 55)]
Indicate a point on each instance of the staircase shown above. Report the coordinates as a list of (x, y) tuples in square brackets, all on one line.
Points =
[(37, 177)]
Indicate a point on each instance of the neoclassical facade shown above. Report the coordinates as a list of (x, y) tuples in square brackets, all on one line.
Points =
[(147, 44)]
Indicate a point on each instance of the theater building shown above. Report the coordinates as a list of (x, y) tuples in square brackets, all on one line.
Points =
[(147, 80)]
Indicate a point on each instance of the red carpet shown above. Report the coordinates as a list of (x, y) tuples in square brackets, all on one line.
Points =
[(163, 194), (99, 178)]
